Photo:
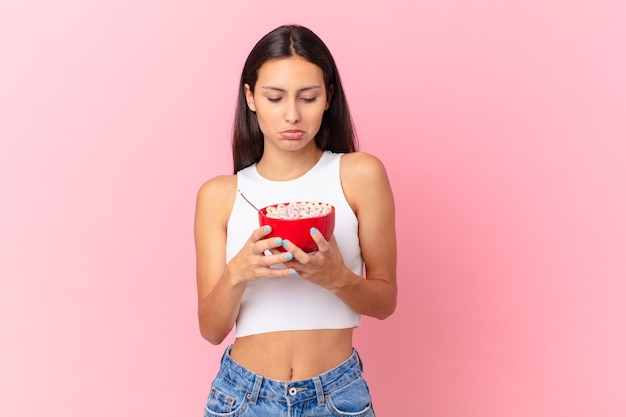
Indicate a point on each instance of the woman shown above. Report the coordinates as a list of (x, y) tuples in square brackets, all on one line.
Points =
[(294, 312)]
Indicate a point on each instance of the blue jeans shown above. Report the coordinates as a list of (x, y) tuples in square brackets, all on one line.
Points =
[(237, 391)]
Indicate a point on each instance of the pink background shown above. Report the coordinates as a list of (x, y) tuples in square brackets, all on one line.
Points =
[(502, 124)]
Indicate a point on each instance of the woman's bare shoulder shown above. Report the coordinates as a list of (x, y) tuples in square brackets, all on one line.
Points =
[(221, 183), (362, 167), (218, 193), (364, 181)]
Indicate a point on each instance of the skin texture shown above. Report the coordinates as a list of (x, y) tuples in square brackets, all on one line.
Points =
[(289, 100)]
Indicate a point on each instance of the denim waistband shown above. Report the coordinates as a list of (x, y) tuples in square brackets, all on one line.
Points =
[(292, 391)]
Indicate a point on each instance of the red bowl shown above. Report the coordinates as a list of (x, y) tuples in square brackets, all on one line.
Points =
[(298, 231)]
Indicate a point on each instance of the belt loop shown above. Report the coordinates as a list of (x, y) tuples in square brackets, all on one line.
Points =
[(256, 388), (358, 358), (319, 390), (226, 352)]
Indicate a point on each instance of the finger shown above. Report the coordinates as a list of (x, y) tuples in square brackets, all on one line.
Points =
[(270, 243), (278, 257), (319, 239), (257, 235), (298, 254), (284, 259), (273, 266), (274, 256), (280, 273), (261, 232)]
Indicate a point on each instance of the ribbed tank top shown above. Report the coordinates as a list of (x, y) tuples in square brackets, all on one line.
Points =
[(293, 303)]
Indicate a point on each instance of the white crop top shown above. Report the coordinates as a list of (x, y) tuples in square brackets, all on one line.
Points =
[(292, 303)]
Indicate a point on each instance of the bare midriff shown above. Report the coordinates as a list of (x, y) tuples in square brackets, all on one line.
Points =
[(293, 355)]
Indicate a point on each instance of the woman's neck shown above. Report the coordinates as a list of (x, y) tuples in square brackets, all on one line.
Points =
[(288, 165)]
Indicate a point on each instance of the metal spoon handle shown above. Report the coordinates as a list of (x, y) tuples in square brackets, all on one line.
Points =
[(249, 202)]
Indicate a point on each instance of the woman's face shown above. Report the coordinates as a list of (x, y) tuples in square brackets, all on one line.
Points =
[(289, 99)]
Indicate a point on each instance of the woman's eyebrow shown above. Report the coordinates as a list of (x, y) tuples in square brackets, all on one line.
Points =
[(308, 87)]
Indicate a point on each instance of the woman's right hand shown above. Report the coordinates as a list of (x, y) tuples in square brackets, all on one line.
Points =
[(221, 286), (258, 257)]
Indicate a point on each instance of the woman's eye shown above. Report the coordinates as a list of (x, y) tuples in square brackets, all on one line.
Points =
[(274, 99), (309, 99)]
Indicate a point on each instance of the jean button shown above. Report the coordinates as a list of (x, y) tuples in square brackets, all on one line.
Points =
[(293, 391)]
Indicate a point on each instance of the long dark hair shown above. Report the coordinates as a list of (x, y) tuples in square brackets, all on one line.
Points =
[(336, 132)]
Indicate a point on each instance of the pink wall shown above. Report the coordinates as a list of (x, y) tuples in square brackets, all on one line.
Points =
[(502, 126)]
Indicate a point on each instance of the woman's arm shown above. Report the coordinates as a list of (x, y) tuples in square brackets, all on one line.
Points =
[(220, 285), (367, 189), (219, 295)]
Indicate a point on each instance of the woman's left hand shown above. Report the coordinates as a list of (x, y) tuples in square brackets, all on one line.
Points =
[(322, 267)]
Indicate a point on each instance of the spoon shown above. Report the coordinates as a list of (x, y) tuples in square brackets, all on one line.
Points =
[(249, 202)]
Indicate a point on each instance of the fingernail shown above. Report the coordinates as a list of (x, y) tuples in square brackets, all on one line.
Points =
[(313, 231), (285, 242), (292, 272), (267, 229), (277, 241), (288, 256)]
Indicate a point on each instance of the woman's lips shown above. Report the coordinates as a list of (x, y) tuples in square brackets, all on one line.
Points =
[(292, 134)]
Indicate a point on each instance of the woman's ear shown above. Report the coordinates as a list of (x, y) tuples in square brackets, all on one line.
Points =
[(249, 97), (329, 96)]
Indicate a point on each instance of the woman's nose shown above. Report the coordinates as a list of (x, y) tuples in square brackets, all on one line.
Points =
[(292, 113)]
